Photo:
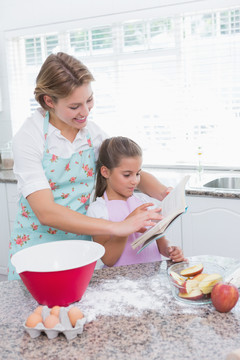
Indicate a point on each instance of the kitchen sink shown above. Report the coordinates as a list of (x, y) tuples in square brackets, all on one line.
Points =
[(230, 183)]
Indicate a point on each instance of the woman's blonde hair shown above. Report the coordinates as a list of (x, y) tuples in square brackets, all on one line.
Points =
[(111, 152), (59, 75)]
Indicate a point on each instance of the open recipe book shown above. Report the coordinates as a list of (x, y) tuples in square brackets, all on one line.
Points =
[(173, 205)]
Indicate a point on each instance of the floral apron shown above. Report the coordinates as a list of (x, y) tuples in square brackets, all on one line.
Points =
[(118, 210), (71, 181)]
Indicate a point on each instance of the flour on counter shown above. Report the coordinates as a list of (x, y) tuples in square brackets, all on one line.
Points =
[(124, 296)]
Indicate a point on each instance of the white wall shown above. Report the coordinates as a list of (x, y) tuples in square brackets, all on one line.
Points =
[(18, 15)]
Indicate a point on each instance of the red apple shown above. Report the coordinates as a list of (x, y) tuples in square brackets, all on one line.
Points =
[(195, 294), (224, 296), (192, 271)]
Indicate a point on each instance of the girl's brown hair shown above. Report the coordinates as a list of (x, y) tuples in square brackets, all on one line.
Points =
[(111, 153), (59, 75)]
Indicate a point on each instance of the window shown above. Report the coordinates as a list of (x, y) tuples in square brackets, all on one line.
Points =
[(230, 22), (33, 51), (172, 83), (79, 41)]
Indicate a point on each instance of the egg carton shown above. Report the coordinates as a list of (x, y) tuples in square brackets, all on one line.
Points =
[(64, 326)]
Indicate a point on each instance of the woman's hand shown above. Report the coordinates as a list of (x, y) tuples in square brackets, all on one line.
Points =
[(166, 191), (139, 209), (138, 220), (152, 187)]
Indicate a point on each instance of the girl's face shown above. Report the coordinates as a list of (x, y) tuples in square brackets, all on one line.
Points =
[(122, 180), (72, 110)]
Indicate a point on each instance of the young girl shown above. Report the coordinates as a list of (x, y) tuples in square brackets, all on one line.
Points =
[(54, 163), (118, 174)]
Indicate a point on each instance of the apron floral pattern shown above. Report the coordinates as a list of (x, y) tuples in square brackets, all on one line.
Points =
[(71, 181)]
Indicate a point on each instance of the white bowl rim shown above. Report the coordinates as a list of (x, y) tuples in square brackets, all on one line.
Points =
[(28, 265)]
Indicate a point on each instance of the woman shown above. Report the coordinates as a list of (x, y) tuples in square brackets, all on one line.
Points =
[(54, 162)]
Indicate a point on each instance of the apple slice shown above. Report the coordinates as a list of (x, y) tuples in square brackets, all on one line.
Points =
[(208, 282), (200, 277), (192, 271), (195, 294), (177, 278), (188, 286)]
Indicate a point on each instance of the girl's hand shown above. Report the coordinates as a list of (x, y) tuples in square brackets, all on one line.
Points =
[(175, 253), (137, 221)]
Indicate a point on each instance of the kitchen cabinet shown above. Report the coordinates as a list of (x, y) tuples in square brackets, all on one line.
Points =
[(8, 208), (174, 233), (211, 226)]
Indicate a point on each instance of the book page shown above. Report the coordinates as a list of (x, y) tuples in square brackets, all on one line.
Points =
[(157, 229), (175, 201), (173, 205), (149, 241), (155, 236)]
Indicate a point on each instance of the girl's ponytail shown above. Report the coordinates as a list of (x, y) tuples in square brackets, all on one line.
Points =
[(101, 184)]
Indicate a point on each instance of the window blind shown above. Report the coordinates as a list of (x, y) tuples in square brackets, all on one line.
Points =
[(172, 83)]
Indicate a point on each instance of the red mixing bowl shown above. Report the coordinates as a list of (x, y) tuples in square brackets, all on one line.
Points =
[(58, 273)]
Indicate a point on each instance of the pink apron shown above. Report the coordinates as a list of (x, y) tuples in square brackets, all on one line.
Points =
[(118, 210)]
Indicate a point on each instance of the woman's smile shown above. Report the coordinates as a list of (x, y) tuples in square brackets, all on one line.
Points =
[(80, 120)]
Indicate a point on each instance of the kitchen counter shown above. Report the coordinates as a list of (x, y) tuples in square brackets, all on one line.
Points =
[(195, 184), (170, 178), (131, 314)]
